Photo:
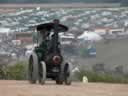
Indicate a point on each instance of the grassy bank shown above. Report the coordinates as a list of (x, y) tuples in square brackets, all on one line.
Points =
[(101, 77), (19, 72)]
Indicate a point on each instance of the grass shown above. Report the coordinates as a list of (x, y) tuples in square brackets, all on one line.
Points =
[(101, 77), (14, 72)]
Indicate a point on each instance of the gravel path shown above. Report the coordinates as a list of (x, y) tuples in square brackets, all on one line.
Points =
[(23, 88)]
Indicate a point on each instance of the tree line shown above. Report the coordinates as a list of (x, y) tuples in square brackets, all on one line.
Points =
[(60, 1), (122, 2)]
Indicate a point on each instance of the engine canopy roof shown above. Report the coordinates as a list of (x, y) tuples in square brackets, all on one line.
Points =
[(51, 26)]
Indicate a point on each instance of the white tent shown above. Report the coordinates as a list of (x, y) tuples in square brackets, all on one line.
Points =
[(30, 47), (90, 36), (4, 30), (67, 35)]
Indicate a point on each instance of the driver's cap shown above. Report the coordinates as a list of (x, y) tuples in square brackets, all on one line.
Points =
[(56, 21)]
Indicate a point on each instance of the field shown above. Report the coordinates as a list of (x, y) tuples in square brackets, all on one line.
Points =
[(112, 54)]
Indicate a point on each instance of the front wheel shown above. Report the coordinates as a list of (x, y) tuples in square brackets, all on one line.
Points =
[(59, 79), (42, 73), (68, 73)]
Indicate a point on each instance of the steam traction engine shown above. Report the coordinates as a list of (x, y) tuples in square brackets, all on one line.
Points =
[(46, 61)]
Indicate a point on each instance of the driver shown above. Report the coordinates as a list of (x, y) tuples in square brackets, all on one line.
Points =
[(44, 34)]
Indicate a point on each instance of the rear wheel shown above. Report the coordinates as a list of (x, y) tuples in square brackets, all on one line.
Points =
[(32, 69), (42, 73)]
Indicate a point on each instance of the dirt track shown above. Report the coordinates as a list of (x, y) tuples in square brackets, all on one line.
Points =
[(23, 88)]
